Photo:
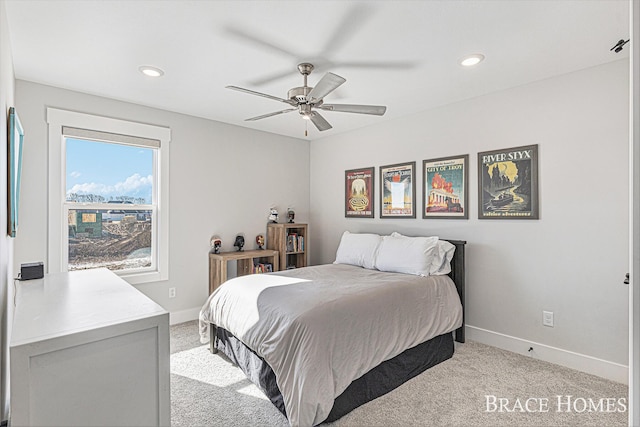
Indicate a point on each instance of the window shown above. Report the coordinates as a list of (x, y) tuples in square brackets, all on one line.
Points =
[(109, 203), (108, 192)]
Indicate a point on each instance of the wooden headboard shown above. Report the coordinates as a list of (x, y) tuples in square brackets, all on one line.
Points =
[(458, 276)]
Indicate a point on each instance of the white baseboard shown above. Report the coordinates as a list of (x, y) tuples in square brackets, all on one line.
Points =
[(580, 362), (182, 316)]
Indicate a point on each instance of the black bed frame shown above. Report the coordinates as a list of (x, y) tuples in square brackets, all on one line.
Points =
[(458, 276), (377, 382)]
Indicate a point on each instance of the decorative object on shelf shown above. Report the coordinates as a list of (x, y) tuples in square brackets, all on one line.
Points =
[(239, 243), (398, 190), (273, 215), (216, 244), (508, 183), (290, 215), (260, 241), (358, 193), (444, 188)]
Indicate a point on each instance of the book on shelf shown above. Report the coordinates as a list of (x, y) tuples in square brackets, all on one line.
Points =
[(292, 242), (262, 268), (295, 243)]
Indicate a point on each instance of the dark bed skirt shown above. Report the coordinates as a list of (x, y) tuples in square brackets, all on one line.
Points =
[(378, 381)]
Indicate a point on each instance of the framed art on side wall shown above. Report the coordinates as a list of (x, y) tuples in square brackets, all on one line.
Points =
[(508, 183), (398, 190), (14, 159), (445, 182), (359, 193)]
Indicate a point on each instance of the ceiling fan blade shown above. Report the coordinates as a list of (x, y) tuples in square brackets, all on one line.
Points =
[(376, 110), (327, 84), (264, 116), (260, 40), (382, 65), (264, 95), (320, 121), (348, 26), (269, 78)]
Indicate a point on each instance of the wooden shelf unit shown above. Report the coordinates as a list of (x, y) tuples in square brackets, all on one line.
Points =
[(278, 237), (244, 261)]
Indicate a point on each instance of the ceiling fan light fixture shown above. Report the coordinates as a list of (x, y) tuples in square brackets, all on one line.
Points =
[(150, 71), (471, 60)]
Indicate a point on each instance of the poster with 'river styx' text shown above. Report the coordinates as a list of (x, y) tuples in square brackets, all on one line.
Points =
[(508, 183)]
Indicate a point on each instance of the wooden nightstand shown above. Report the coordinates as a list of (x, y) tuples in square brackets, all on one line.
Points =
[(245, 263)]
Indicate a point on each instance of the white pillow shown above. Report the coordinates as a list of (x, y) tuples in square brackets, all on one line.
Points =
[(443, 255), (358, 249), (403, 254)]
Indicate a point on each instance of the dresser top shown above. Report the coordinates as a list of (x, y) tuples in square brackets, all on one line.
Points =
[(68, 303)]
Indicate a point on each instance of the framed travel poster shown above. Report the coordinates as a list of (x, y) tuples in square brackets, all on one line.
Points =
[(444, 185), (508, 183), (359, 193), (398, 190)]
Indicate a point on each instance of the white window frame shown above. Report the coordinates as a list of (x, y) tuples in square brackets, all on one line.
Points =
[(58, 243)]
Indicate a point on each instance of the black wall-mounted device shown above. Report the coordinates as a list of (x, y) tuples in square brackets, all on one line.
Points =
[(618, 46), (32, 270)]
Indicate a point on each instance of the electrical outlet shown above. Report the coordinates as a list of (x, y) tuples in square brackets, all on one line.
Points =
[(172, 292), (547, 318)]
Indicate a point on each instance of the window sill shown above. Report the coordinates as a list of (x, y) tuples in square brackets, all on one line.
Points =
[(144, 277)]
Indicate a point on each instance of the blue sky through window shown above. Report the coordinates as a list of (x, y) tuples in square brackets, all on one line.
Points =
[(109, 170)]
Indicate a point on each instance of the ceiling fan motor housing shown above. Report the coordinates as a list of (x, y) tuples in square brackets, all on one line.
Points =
[(299, 94)]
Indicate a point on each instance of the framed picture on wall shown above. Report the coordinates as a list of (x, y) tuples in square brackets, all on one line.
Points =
[(444, 185), (359, 193), (508, 183), (398, 190), (14, 158)]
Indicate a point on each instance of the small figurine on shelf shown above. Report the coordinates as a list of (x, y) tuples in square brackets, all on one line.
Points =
[(273, 215), (260, 241), (239, 243), (290, 215), (216, 244)]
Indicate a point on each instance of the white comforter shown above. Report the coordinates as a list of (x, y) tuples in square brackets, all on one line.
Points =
[(320, 328)]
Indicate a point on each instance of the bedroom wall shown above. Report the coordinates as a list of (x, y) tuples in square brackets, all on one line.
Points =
[(571, 261), (7, 89), (223, 180)]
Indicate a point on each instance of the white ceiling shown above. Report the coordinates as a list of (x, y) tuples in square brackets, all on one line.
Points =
[(402, 54)]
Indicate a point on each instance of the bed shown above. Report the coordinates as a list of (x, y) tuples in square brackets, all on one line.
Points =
[(320, 341)]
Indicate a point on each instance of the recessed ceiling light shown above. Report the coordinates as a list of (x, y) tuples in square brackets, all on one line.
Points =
[(150, 71), (471, 60)]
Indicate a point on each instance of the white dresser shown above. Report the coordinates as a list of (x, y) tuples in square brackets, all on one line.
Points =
[(88, 349)]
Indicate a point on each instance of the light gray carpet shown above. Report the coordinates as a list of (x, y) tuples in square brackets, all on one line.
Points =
[(207, 390)]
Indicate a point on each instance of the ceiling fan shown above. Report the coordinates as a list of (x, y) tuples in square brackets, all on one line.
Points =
[(307, 100)]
